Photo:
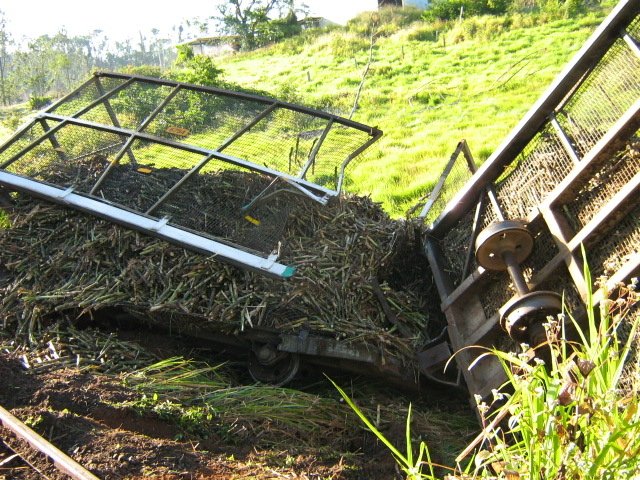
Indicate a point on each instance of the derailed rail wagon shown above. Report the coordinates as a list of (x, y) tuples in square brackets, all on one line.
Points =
[(316, 275), (506, 248), (245, 180)]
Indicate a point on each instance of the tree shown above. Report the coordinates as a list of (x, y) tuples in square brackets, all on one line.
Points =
[(5, 40), (250, 18)]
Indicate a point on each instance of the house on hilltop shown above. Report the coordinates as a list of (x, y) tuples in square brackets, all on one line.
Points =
[(215, 46)]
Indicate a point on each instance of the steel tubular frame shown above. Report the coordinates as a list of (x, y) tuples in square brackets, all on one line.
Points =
[(144, 221)]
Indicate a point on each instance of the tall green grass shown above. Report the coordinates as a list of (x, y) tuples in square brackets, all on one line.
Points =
[(430, 84), (575, 418), (475, 82)]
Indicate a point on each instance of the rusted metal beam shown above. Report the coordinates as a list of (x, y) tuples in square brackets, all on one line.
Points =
[(256, 98), (435, 193), (61, 460), (562, 234)]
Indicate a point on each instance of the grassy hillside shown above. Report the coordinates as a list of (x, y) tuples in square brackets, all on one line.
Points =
[(425, 90), (427, 86)]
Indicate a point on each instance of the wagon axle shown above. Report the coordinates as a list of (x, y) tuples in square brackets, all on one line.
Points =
[(504, 246)]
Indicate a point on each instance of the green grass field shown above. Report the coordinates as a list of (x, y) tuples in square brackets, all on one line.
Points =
[(425, 95)]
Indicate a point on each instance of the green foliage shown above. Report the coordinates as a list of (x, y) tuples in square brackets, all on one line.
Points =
[(190, 393), (346, 45), (563, 8), (570, 419), (482, 28), (424, 95), (252, 22), (196, 69), (144, 70), (196, 421), (384, 22), (36, 102), (411, 466), (453, 9), (279, 29)]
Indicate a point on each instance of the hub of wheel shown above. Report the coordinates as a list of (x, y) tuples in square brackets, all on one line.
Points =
[(504, 246), (268, 365)]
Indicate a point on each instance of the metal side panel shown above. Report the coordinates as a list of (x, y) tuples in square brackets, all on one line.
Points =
[(157, 228), (570, 172)]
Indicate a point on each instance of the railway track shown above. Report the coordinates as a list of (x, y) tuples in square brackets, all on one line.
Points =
[(24, 461)]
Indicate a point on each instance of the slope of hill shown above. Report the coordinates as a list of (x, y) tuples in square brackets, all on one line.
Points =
[(425, 89)]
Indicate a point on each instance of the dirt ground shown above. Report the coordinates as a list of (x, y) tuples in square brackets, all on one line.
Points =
[(76, 412), (93, 418)]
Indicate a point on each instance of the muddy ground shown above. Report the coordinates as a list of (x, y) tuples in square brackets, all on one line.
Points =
[(91, 417)]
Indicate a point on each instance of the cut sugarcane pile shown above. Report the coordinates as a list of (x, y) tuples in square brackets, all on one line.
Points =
[(60, 260)]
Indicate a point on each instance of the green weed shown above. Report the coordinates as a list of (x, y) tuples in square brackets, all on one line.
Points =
[(571, 419)]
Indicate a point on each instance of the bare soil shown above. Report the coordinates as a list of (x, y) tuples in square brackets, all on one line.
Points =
[(82, 414)]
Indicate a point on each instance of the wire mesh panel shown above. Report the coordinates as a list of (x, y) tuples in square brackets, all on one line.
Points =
[(608, 91), (619, 246), (219, 207), (203, 119), (138, 180), (455, 246), (570, 175), (128, 107), (458, 170), (219, 164), (602, 186), (73, 156), (85, 96), (542, 164)]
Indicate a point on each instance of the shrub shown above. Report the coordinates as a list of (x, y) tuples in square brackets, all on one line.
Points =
[(346, 45), (143, 70), (384, 22), (451, 9), (36, 102)]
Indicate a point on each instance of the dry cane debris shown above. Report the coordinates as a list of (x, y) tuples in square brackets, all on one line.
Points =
[(60, 260)]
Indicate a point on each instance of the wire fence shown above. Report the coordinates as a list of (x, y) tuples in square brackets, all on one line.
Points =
[(223, 164)]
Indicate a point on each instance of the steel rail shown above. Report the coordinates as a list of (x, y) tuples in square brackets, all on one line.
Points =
[(61, 460)]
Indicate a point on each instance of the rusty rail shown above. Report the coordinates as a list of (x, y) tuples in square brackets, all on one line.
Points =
[(61, 460)]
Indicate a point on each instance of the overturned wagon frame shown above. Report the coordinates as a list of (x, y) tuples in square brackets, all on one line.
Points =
[(118, 136), (163, 133), (570, 172)]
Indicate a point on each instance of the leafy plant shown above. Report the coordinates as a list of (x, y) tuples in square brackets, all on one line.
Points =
[(409, 464), (36, 102), (570, 419)]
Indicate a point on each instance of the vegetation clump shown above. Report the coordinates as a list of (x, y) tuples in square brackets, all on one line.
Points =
[(575, 417)]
